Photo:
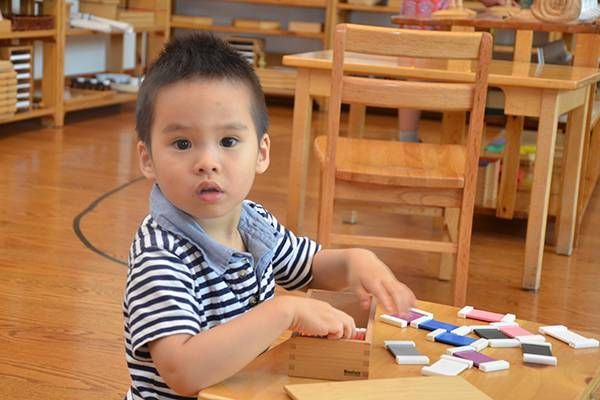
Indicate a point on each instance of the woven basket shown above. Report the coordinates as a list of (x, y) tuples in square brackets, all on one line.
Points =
[(30, 22)]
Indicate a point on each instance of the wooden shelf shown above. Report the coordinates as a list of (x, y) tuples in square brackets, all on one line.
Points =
[(473, 5), (284, 3), (232, 29), (366, 8), (94, 99), (39, 34), (88, 32), (41, 112)]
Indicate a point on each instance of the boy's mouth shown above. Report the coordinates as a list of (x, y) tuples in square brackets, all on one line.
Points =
[(209, 192)]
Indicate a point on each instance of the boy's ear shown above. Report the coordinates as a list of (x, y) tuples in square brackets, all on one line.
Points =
[(145, 159), (264, 148)]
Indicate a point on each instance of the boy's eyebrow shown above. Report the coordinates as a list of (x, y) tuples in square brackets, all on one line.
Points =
[(174, 127), (234, 126)]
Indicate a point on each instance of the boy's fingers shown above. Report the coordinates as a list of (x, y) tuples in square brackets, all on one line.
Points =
[(403, 297), (363, 296), (338, 331), (381, 294)]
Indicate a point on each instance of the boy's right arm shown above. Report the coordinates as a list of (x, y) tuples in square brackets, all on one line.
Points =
[(190, 363)]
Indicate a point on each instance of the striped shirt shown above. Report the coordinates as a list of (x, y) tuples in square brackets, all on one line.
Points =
[(173, 287)]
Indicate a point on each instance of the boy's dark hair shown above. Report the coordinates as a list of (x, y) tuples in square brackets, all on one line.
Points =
[(197, 56)]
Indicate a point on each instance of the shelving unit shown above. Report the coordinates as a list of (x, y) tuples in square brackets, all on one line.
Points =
[(275, 79), (51, 106), (76, 100)]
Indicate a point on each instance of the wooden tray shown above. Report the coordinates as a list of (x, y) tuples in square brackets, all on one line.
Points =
[(196, 20), (304, 26), (256, 24)]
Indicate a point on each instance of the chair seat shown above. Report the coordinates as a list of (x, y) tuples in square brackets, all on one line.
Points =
[(396, 163)]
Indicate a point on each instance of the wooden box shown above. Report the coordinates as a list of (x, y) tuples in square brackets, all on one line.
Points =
[(256, 24), (191, 20), (303, 26), (30, 22), (340, 360), (103, 10), (137, 18)]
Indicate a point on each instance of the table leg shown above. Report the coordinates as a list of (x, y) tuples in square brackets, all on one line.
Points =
[(301, 135), (571, 178), (540, 191), (507, 195)]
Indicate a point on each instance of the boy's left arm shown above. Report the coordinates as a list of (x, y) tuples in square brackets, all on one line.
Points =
[(364, 273)]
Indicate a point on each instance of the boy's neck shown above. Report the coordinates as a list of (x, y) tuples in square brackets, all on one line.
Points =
[(225, 230)]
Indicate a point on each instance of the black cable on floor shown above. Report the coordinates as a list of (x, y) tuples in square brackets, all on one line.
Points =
[(94, 204)]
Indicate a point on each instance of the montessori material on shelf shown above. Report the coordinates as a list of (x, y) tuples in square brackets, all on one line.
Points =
[(21, 58), (8, 89)]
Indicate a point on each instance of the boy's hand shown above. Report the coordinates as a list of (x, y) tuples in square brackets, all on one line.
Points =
[(367, 274), (317, 318)]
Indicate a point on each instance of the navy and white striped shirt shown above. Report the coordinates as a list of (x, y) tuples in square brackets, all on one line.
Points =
[(175, 286)]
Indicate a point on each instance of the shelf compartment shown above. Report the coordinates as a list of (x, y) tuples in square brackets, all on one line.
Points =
[(88, 32), (84, 99), (41, 112), (37, 34), (178, 23)]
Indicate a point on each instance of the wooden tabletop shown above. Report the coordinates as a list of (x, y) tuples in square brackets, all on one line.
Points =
[(509, 73), (486, 21), (576, 376)]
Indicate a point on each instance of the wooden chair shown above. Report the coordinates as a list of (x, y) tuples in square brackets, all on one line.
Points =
[(415, 174)]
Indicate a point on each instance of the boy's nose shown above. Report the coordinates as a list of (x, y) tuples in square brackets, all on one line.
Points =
[(207, 162)]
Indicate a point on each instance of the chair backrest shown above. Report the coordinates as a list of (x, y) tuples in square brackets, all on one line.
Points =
[(446, 91)]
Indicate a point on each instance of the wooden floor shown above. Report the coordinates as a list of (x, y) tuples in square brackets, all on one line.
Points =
[(62, 246)]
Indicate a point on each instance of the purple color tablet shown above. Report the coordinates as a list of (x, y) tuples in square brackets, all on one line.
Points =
[(410, 316), (475, 356)]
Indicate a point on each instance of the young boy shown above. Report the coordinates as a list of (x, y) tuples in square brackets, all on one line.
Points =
[(199, 301)]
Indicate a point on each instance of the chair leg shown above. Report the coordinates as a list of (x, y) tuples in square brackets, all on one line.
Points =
[(463, 252), (450, 227), (326, 201)]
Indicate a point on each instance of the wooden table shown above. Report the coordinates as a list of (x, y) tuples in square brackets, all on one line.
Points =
[(586, 53), (543, 91), (577, 375)]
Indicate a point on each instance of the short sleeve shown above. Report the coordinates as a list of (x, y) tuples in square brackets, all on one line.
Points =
[(292, 260), (159, 300)]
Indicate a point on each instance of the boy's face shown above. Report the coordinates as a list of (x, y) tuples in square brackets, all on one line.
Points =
[(204, 152)]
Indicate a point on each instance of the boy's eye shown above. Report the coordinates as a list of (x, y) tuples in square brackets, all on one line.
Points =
[(228, 142), (182, 144)]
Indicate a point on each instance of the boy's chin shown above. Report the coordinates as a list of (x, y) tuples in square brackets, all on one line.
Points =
[(211, 212)]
